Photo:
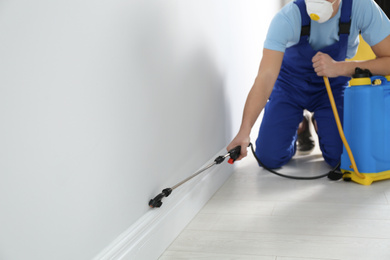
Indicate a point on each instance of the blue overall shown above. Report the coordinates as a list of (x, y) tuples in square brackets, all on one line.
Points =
[(297, 88)]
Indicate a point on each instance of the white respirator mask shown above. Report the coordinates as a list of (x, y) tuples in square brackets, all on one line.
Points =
[(319, 10)]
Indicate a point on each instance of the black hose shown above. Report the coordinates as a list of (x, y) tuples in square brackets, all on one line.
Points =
[(334, 174)]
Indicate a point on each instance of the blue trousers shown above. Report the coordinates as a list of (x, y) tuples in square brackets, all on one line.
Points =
[(276, 142)]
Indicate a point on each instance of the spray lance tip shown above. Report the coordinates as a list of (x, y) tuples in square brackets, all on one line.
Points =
[(156, 202)]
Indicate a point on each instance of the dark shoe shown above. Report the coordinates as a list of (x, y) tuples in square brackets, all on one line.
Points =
[(305, 142)]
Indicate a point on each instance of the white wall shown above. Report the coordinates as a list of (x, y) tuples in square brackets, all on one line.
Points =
[(104, 103)]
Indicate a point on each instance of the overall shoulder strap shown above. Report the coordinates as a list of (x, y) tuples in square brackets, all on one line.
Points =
[(305, 30), (345, 19)]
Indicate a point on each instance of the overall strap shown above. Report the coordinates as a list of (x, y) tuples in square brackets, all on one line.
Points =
[(345, 25), (345, 19), (305, 19)]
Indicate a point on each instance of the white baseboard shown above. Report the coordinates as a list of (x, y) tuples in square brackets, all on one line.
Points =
[(151, 235)]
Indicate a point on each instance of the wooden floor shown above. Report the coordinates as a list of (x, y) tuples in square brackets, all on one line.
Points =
[(257, 215)]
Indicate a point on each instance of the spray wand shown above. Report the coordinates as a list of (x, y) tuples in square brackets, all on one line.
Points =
[(233, 153)]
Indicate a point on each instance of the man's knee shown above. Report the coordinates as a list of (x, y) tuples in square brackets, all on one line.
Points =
[(332, 153), (272, 160), (332, 161)]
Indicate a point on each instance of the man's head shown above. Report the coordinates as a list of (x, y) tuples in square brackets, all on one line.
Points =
[(322, 10)]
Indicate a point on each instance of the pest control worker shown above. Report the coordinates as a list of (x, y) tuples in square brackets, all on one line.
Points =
[(309, 39)]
